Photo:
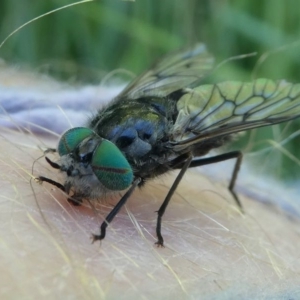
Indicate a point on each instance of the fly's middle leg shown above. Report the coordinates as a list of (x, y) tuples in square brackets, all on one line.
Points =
[(162, 209)]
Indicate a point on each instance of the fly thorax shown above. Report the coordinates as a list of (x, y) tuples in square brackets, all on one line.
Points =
[(135, 138), (137, 148)]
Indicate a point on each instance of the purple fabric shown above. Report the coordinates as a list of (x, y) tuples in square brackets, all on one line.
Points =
[(55, 110)]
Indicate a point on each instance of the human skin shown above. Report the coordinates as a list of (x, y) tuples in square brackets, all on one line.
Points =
[(211, 250)]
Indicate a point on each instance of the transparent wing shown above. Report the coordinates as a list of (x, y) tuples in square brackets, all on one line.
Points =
[(211, 111), (172, 73)]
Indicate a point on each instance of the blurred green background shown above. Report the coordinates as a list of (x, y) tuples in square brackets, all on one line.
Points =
[(85, 42)]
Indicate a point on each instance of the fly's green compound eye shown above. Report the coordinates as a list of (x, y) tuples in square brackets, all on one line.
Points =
[(72, 138), (111, 167)]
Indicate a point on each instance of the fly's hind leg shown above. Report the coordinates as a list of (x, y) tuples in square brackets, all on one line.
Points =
[(239, 158), (238, 155)]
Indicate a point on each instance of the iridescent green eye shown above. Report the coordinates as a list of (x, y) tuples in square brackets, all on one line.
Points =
[(72, 138), (111, 167)]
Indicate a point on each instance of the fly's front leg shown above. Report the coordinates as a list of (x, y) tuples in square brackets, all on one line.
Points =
[(65, 188), (50, 150), (76, 199), (114, 212), (54, 165), (41, 179), (162, 209)]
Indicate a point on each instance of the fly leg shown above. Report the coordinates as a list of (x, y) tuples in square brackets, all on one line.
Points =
[(45, 179), (41, 179), (50, 150), (75, 200), (238, 155), (162, 209), (114, 212)]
